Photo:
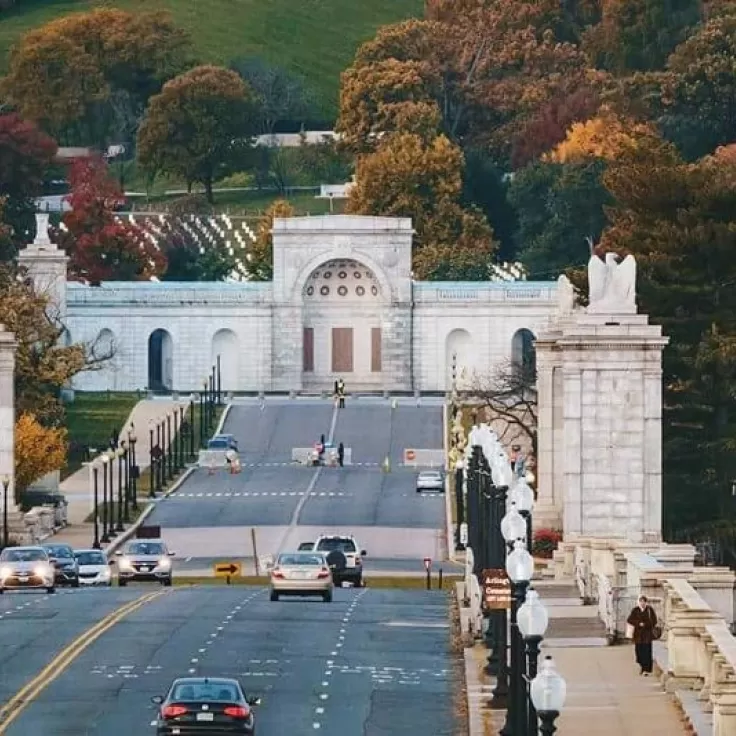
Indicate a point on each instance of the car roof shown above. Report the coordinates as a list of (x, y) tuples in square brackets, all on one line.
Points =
[(336, 536), (91, 549), (158, 540), (304, 552), (33, 547), (47, 545)]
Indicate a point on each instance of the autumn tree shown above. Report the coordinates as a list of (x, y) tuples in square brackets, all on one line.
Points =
[(679, 220), (86, 77), (100, 246), (26, 153), (38, 450), (44, 364), (639, 35), (198, 127), (260, 257), (410, 177), (280, 94)]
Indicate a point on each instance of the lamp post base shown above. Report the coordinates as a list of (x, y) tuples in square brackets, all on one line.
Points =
[(547, 720)]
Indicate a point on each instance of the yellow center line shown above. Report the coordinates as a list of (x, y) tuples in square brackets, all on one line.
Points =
[(29, 692)]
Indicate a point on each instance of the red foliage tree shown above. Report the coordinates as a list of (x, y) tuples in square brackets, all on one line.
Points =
[(100, 247), (25, 154)]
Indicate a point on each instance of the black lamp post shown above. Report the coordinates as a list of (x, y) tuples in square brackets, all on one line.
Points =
[(134, 470), (548, 693), (520, 568), (105, 509), (533, 621), (121, 475), (152, 463), (96, 500), (126, 483), (219, 382), (192, 403), (202, 414), (170, 446), (459, 503), (212, 403), (111, 494), (6, 485), (161, 455)]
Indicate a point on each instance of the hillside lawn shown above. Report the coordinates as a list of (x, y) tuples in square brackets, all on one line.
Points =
[(316, 39)]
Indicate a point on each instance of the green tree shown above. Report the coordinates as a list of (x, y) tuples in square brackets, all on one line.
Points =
[(560, 207), (198, 127)]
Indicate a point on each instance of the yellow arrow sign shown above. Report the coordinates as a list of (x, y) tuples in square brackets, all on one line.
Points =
[(227, 569)]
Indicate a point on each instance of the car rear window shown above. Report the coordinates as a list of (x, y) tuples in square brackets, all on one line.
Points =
[(301, 560), (59, 551), (343, 545), (90, 558), (201, 692)]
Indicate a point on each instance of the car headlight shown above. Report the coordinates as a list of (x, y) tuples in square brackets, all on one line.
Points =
[(41, 570), (164, 563), (125, 564), (105, 574), (5, 572)]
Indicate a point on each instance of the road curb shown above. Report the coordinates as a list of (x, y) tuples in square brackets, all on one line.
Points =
[(126, 535)]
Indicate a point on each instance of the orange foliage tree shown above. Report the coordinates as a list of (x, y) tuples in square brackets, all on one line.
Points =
[(38, 450), (260, 256)]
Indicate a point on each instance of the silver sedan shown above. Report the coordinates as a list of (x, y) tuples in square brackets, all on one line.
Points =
[(26, 567), (303, 574), (430, 480)]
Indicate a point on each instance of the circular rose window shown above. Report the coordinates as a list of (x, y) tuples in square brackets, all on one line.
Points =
[(325, 290), (359, 290), (342, 290)]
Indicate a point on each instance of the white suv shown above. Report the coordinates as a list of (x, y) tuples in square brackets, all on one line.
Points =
[(344, 556)]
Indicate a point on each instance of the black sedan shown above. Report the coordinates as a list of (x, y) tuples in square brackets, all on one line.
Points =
[(196, 706), (66, 567)]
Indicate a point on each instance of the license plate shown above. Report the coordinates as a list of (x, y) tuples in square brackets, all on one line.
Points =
[(144, 568), (205, 716)]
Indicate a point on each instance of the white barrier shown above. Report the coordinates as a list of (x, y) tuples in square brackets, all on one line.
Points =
[(306, 456), (473, 596), (414, 458), (213, 459)]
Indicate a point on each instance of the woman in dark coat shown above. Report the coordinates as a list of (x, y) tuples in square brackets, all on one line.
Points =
[(643, 620)]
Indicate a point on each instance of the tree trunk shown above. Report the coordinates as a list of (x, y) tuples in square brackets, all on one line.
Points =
[(208, 189)]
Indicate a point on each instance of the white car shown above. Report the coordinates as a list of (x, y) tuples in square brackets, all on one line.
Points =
[(94, 568), (344, 558), (23, 568), (430, 480)]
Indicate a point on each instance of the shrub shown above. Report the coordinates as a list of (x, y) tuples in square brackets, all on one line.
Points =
[(545, 542)]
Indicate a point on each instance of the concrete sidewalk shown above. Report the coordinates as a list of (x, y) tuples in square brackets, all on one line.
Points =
[(603, 684), (77, 488)]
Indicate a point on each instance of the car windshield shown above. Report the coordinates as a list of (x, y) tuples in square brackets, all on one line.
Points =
[(205, 692), (91, 558), (430, 474), (23, 555), (343, 545), (146, 548), (301, 560), (59, 552)]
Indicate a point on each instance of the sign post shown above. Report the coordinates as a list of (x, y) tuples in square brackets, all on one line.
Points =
[(496, 589), (428, 568), (227, 570)]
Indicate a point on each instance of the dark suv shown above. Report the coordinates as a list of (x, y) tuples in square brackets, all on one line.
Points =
[(66, 566)]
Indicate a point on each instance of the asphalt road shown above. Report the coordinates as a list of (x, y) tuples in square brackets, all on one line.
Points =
[(370, 663), (211, 516)]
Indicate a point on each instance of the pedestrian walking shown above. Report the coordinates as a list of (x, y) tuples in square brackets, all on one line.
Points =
[(644, 629), (341, 454)]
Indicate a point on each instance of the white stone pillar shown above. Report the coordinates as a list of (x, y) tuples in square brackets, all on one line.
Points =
[(7, 414), (46, 265)]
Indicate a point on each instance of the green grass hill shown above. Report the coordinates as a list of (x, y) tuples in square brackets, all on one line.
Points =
[(314, 38)]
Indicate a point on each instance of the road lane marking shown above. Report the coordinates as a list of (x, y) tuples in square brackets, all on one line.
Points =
[(61, 662)]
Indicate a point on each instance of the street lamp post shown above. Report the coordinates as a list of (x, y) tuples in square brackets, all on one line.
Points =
[(212, 402), (219, 382), (533, 621), (96, 501), (192, 403), (6, 485), (520, 568), (126, 482), (548, 692), (171, 447), (161, 460), (111, 531), (134, 470), (151, 466), (105, 531), (459, 503), (121, 474), (202, 414), (181, 428), (523, 496)]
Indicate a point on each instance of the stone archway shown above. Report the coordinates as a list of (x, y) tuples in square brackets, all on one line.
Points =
[(160, 361), (458, 358), (343, 309), (225, 345)]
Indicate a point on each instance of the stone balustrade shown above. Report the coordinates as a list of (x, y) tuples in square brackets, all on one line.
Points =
[(700, 659)]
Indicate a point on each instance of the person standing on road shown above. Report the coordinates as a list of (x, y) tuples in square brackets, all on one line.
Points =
[(341, 454), (644, 630), (341, 393)]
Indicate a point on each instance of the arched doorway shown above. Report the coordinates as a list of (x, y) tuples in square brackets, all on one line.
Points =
[(523, 354), (160, 361), (343, 311), (459, 359), (225, 345)]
